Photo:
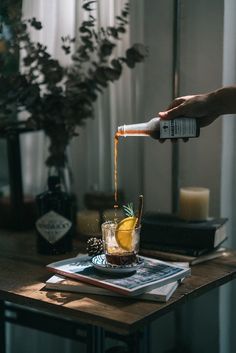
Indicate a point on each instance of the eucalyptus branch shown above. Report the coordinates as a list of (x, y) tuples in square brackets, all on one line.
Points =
[(57, 98)]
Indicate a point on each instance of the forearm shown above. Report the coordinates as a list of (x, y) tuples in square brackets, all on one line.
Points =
[(223, 101)]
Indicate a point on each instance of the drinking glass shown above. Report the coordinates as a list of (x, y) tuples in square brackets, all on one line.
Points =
[(120, 246)]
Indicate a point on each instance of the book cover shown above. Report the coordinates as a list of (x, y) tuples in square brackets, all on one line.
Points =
[(152, 274), (61, 283), (167, 229), (176, 249), (192, 260)]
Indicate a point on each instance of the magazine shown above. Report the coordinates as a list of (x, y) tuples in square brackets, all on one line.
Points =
[(152, 274), (61, 283)]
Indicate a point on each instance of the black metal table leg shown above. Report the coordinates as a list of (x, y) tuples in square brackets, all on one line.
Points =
[(2, 328), (139, 342), (96, 340), (94, 337)]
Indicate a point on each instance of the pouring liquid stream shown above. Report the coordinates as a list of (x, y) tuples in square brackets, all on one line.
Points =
[(116, 142), (123, 256)]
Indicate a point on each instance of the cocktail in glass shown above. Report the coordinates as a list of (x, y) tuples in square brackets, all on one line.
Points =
[(121, 241)]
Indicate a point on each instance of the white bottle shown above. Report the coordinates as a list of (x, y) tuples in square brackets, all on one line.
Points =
[(163, 129)]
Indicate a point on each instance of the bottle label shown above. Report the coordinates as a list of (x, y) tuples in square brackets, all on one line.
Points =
[(53, 226), (178, 128)]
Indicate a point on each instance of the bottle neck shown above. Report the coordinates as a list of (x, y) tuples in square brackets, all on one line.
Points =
[(54, 183), (65, 176), (140, 129)]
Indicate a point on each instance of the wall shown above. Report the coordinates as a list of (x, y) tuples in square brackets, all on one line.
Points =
[(157, 93), (228, 191), (200, 71), (201, 50)]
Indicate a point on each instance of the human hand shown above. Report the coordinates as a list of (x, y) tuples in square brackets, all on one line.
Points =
[(193, 106)]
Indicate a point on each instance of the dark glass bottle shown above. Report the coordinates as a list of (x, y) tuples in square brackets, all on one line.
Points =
[(54, 225)]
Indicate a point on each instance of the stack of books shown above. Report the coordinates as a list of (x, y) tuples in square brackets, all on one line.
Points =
[(166, 237), (154, 280)]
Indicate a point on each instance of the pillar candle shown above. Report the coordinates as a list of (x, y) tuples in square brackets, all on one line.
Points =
[(194, 203)]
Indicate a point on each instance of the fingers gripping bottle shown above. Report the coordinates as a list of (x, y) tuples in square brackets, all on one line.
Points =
[(158, 128)]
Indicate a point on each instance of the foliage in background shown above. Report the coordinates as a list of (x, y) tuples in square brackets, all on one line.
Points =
[(58, 98)]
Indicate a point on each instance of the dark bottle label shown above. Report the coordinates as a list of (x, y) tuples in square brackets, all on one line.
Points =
[(52, 226)]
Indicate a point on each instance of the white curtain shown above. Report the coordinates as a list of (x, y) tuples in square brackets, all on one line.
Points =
[(91, 153), (58, 19), (94, 147)]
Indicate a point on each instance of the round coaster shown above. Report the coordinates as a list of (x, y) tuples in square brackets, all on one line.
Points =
[(101, 264)]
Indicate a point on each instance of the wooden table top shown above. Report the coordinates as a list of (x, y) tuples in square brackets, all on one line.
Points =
[(23, 275)]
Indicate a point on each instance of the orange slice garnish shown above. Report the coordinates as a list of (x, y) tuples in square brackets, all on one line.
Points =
[(124, 232)]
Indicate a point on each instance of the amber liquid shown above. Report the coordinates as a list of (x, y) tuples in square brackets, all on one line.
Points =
[(116, 141), (121, 259)]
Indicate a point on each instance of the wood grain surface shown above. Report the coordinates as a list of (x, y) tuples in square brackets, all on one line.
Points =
[(23, 274)]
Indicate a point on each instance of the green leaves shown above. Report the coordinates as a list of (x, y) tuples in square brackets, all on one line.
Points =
[(53, 72), (136, 54), (57, 98), (35, 24), (87, 5), (129, 210), (106, 48)]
